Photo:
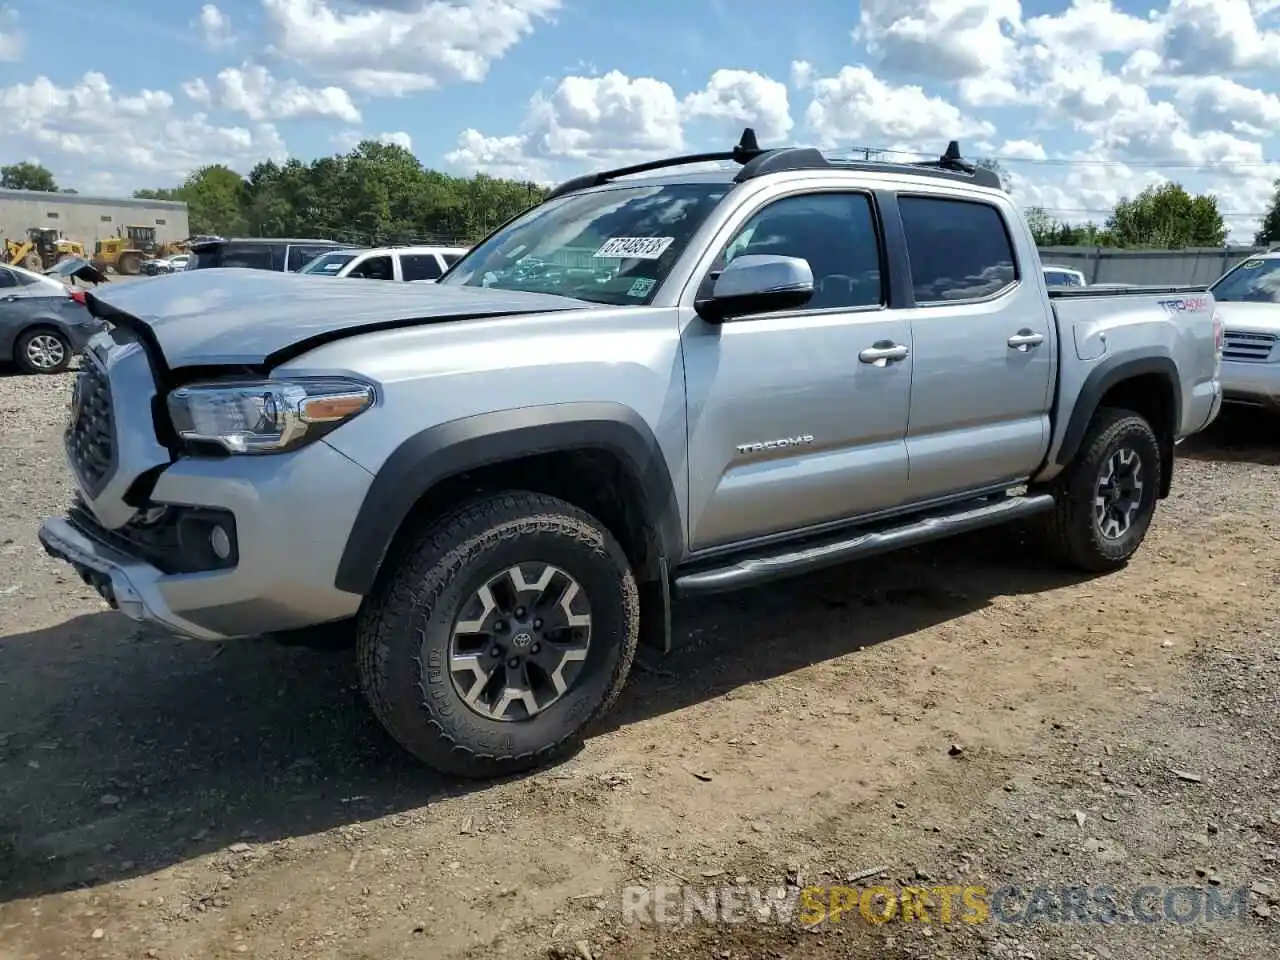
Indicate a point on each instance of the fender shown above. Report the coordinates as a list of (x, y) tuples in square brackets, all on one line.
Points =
[(1102, 378), (425, 459)]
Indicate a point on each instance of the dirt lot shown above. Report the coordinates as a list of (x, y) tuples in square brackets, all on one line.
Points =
[(962, 714)]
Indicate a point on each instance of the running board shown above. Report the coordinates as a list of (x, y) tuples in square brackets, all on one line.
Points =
[(758, 569)]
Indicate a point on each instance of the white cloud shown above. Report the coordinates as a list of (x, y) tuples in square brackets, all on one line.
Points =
[(856, 105), (215, 26), (126, 141), (394, 48), (11, 41), (252, 90), (1021, 150), (742, 98), (397, 138)]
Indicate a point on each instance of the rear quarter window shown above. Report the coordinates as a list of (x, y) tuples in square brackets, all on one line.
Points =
[(252, 256), (959, 249)]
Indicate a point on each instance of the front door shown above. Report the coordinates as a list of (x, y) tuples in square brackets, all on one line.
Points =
[(788, 427), (984, 350)]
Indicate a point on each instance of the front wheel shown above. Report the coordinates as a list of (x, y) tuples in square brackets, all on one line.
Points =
[(505, 629), (1106, 498)]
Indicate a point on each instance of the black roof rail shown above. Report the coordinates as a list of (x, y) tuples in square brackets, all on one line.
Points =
[(949, 166), (757, 163), (748, 148)]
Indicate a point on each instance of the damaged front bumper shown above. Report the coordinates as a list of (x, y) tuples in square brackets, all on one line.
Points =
[(126, 583)]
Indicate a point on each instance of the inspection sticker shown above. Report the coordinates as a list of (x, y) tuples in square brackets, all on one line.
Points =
[(635, 248), (641, 287)]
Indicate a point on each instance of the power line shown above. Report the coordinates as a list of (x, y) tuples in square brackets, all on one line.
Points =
[(1090, 161)]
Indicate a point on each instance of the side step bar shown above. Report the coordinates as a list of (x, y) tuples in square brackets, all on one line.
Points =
[(760, 568)]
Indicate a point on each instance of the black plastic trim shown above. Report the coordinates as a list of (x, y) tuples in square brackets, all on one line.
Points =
[(1103, 377), (1102, 290), (450, 449), (894, 256)]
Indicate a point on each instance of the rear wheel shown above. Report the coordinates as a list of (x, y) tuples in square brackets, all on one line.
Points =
[(42, 350), (1107, 498), (507, 627)]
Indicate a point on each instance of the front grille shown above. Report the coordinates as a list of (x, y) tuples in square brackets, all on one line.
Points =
[(1248, 347), (91, 435)]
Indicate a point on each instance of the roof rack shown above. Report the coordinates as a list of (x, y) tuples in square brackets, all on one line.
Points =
[(757, 162)]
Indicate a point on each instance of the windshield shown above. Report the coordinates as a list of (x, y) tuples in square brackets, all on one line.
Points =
[(328, 264), (1253, 281), (611, 246)]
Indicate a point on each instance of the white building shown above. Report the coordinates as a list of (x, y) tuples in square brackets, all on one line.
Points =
[(89, 219)]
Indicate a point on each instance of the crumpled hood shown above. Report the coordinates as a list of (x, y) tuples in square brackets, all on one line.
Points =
[(1250, 317), (260, 318)]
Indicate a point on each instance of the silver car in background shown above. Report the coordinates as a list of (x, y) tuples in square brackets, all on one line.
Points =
[(1248, 298)]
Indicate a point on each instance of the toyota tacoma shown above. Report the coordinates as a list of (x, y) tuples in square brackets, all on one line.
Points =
[(659, 382)]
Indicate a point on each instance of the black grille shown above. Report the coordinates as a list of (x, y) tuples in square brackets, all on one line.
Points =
[(1249, 347), (91, 436)]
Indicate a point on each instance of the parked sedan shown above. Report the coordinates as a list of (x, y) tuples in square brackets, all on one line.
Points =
[(43, 322)]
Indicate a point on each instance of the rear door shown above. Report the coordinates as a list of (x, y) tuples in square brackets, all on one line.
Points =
[(797, 418), (984, 347)]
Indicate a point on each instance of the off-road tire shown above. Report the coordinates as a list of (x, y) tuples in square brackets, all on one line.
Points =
[(405, 629), (129, 264), (22, 351), (1071, 531)]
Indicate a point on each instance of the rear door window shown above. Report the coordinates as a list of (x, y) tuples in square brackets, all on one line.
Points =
[(252, 256), (959, 249), (420, 266)]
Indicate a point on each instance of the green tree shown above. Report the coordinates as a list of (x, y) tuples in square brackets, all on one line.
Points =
[(1269, 232), (27, 176), (376, 193), (1167, 217)]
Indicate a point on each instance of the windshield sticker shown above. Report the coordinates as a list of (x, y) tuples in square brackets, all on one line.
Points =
[(641, 287), (635, 248), (1253, 264)]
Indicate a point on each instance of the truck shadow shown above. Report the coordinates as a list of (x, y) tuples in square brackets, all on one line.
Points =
[(1239, 435), (123, 751)]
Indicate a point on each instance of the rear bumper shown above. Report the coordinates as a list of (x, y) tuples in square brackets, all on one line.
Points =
[(1252, 384)]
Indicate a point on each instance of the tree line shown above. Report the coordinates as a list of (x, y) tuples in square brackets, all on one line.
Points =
[(379, 193)]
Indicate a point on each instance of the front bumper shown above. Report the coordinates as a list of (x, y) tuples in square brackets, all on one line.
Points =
[(128, 585), (292, 516), (1251, 384)]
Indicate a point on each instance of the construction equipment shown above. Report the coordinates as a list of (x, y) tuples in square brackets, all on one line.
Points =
[(129, 247), (43, 247)]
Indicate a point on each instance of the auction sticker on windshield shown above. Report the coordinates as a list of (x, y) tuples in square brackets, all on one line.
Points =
[(635, 248)]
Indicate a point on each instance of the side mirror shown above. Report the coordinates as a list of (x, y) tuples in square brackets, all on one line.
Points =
[(756, 283)]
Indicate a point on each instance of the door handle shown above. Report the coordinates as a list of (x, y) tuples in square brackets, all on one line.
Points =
[(1025, 339), (883, 352)]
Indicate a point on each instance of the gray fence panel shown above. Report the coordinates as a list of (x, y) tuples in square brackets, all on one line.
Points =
[(1193, 266)]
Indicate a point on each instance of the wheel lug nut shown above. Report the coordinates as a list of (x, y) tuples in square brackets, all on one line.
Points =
[(495, 652), (499, 626), (537, 624), (535, 648), (513, 663), (519, 611)]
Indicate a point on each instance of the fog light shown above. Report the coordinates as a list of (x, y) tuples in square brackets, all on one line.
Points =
[(220, 542)]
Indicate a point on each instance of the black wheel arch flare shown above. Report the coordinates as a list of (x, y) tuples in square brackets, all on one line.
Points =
[(439, 453)]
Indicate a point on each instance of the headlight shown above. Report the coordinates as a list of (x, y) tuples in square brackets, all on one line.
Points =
[(266, 416)]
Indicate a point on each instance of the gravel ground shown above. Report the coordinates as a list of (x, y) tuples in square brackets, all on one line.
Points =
[(962, 714)]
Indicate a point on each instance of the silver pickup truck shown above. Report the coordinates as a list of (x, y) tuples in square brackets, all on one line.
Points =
[(658, 382)]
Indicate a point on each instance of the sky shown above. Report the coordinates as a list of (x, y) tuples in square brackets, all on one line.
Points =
[(1082, 103)]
